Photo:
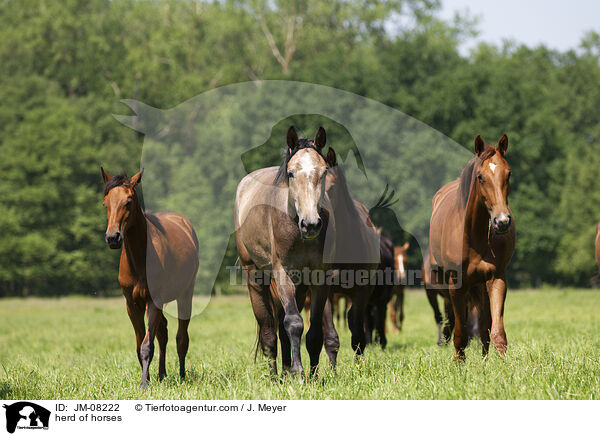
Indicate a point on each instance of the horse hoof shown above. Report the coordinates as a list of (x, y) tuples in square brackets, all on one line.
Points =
[(459, 357), (143, 385)]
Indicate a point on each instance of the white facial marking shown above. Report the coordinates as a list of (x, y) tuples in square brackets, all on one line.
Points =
[(401, 264), (307, 164), (492, 167)]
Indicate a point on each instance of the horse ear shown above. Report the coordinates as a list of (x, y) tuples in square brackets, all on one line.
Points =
[(405, 246), (320, 138), (331, 158), (136, 178), (502, 144), (479, 145), (105, 175), (292, 138)]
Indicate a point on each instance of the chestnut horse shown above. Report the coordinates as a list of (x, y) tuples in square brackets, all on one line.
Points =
[(472, 239), (397, 301), (159, 262), (279, 214)]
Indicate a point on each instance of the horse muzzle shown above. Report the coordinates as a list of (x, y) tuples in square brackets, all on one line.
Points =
[(501, 223), (114, 240), (310, 229)]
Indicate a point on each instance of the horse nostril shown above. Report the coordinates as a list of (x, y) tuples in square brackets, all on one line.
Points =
[(112, 238)]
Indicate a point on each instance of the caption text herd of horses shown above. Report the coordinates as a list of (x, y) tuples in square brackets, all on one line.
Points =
[(301, 215)]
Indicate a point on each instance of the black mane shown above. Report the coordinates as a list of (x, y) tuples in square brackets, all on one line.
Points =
[(113, 182), (282, 174)]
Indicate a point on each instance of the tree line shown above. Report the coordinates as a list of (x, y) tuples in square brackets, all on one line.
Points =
[(66, 65)]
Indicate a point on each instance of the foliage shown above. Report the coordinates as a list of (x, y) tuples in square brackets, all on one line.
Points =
[(65, 65)]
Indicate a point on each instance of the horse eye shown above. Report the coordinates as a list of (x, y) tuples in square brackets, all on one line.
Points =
[(129, 203), (480, 178), (290, 175)]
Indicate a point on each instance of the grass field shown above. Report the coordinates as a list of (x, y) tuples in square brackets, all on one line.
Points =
[(83, 348)]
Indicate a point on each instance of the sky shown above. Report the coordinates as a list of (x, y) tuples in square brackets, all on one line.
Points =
[(554, 23)]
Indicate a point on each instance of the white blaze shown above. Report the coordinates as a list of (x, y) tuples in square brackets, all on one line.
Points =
[(492, 167), (401, 269)]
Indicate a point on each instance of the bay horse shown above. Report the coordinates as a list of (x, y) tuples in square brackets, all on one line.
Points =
[(383, 291), (279, 215), (397, 301), (159, 262), (472, 239), (357, 250)]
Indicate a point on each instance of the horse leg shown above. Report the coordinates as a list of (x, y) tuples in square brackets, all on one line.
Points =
[(399, 306), (261, 305), (286, 348), (184, 313), (147, 349), (485, 321), (473, 313), (330, 335), (359, 311), (380, 318), (392, 305), (162, 337), (334, 302), (136, 315), (432, 298), (368, 324), (496, 289), (461, 333), (314, 336), (292, 321), (449, 323)]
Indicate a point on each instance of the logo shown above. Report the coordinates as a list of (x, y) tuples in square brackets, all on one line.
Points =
[(26, 415)]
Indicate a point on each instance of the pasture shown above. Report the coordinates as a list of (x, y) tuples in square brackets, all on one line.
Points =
[(76, 347)]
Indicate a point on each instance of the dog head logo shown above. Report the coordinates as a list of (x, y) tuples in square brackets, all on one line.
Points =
[(26, 415)]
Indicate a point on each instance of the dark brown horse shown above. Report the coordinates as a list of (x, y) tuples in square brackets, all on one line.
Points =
[(357, 250), (382, 293), (159, 262), (279, 214), (471, 240)]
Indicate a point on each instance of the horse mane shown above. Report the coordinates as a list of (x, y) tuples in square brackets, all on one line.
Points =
[(466, 176), (344, 191), (282, 174), (155, 220), (113, 182)]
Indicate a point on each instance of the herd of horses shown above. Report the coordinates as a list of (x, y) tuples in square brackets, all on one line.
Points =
[(301, 216)]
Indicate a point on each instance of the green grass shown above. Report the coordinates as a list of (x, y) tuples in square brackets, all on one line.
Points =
[(83, 348)]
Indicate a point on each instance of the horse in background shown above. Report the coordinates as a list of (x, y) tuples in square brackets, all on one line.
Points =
[(382, 293), (471, 241), (397, 302), (159, 262), (279, 215)]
